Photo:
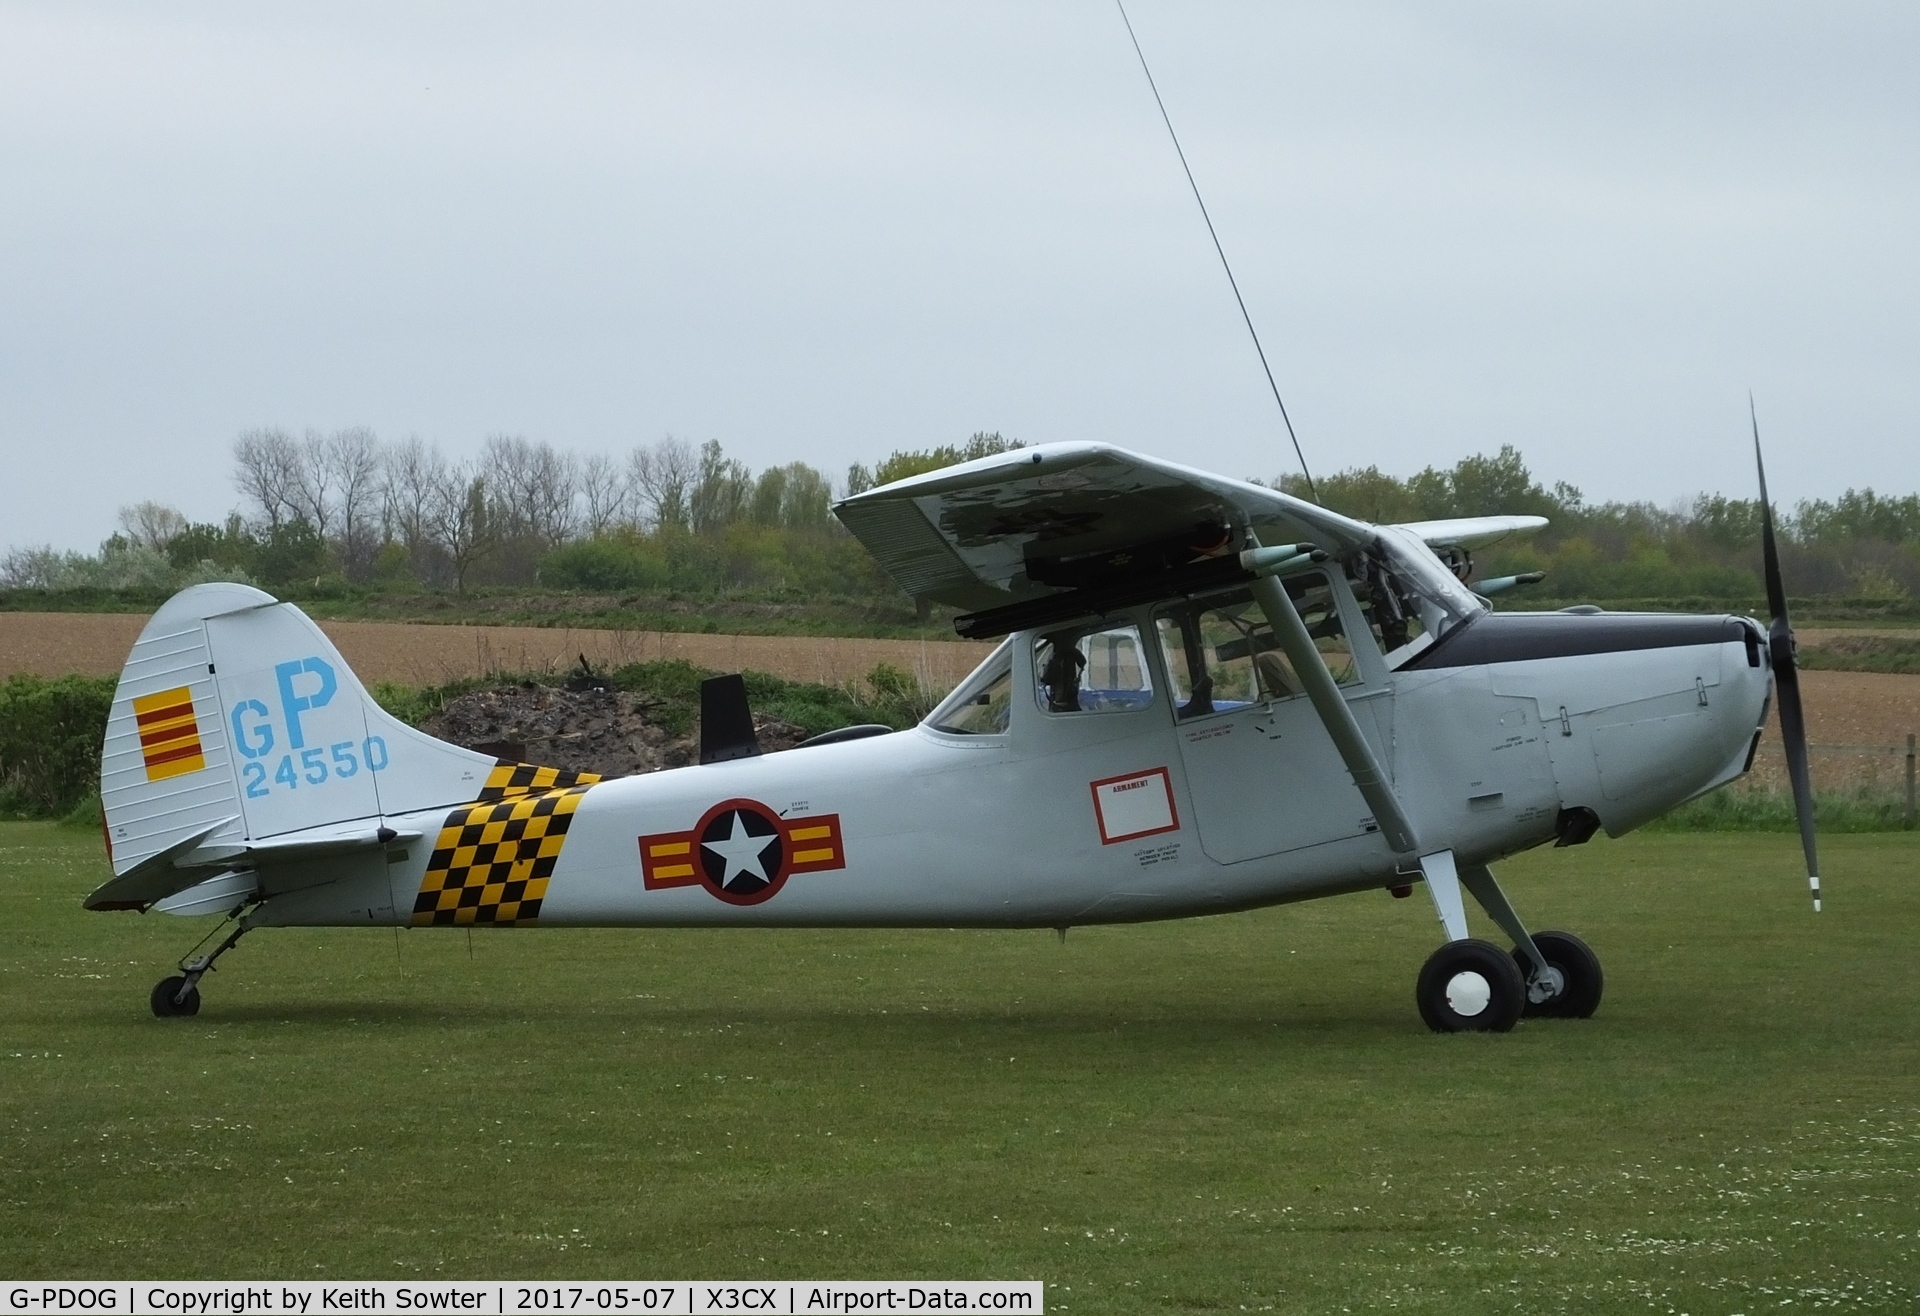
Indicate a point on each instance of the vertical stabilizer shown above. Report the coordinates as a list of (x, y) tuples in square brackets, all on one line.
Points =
[(236, 720)]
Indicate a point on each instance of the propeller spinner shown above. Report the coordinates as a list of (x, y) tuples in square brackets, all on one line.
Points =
[(1786, 677)]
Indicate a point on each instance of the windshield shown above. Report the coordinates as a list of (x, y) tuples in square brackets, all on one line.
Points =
[(983, 702), (1407, 594)]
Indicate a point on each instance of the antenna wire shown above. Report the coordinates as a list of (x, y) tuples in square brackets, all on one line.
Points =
[(1231, 281)]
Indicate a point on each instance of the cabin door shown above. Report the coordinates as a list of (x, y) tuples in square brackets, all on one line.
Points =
[(1262, 771)]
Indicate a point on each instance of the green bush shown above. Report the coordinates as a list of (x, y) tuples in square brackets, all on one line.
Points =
[(50, 734), (606, 565)]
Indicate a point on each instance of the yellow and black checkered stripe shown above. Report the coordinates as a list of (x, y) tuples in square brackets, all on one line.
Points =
[(494, 858), (509, 779)]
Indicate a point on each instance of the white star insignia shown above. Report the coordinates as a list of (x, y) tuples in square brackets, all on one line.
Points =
[(741, 852)]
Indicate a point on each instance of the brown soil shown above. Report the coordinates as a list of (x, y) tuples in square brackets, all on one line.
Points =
[(54, 643), (1857, 729), (601, 731)]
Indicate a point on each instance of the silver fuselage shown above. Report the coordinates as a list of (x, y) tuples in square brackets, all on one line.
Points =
[(1487, 752)]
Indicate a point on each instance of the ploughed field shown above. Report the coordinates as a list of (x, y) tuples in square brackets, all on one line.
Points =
[(1224, 1113), (55, 643)]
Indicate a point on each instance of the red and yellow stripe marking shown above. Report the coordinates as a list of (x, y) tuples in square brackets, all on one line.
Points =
[(816, 843), (667, 860), (169, 734)]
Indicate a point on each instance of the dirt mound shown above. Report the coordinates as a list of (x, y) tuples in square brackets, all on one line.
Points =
[(609, 732)]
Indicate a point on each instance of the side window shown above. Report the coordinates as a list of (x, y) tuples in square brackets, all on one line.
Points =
[(1221, 654), (1092, 670), (983, 704)]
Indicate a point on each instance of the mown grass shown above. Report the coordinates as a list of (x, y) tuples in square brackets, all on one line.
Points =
[(1228, 1113)]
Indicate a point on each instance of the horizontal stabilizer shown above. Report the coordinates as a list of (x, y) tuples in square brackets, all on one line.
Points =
[(216, 895), (155, 877), (190, 863)]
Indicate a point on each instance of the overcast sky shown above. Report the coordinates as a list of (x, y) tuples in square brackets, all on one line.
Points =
[(824, 232)]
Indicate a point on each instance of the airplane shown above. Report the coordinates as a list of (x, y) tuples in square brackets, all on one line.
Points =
[(1208, 696)]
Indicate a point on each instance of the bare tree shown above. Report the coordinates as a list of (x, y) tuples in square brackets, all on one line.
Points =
[(267, 470), (411, 476), (603, 494), (662, 477), (534, 486), (351, 458), (152, 525), (551, 496), (461, 518), (313, 486)]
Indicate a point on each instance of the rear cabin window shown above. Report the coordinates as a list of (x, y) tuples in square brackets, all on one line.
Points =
[(1092, 670), (1221, 655)]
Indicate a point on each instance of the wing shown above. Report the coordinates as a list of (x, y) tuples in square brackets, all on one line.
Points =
[(1471, 532), (1026, 524)]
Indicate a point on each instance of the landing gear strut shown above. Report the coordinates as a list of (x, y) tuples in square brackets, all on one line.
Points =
[(1463, 989), (178, 997)]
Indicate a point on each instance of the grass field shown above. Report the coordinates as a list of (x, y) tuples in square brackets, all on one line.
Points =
[(1240, 1113)]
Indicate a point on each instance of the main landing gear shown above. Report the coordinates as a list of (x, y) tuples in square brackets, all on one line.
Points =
[(178, 997), (1470, 985)]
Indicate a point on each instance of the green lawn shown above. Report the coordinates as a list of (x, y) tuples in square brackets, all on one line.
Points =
[(1232, 1113)]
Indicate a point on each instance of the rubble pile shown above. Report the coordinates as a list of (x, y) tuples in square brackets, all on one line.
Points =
[(597, 730)]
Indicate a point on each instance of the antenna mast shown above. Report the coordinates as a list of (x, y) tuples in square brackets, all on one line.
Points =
[(1231, 281)]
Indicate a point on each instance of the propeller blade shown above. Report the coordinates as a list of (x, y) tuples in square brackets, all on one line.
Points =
[(1786, 676)]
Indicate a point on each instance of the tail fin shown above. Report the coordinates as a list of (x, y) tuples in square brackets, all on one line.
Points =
[(236, 719)]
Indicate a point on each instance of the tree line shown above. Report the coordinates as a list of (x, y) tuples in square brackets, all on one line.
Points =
[(350, 511), (1861, 547), (353, 509)]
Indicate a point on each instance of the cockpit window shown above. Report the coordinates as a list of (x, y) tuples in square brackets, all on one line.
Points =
[(1408, 596), (1100, 669), (984, 701)]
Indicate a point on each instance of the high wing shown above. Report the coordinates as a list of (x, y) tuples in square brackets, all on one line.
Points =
[(1026, 524), (1471, 532)]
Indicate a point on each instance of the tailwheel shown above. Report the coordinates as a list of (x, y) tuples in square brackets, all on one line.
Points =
[(1470, 986), (178, 997), (1579, 968), (175, 998)]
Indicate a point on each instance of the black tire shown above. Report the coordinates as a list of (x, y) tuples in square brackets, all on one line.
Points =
[(164, 1005), (1470, 987), (1578, 964)]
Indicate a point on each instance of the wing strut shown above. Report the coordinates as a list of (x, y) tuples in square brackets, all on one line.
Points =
[(1338, 719)]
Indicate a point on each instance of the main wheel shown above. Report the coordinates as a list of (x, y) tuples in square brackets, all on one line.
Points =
[(1577, 964), (1470, 987), (166, 1007)]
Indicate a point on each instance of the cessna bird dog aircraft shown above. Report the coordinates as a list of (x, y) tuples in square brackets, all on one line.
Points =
[(1210, 696)]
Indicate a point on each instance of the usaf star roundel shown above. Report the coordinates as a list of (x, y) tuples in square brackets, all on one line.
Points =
[(740, 852)]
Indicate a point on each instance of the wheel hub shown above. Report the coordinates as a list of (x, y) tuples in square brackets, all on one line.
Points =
[(1543, 987), (1468, 994)]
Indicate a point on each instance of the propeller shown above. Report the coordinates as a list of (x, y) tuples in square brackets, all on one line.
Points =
[(1786, 677)]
